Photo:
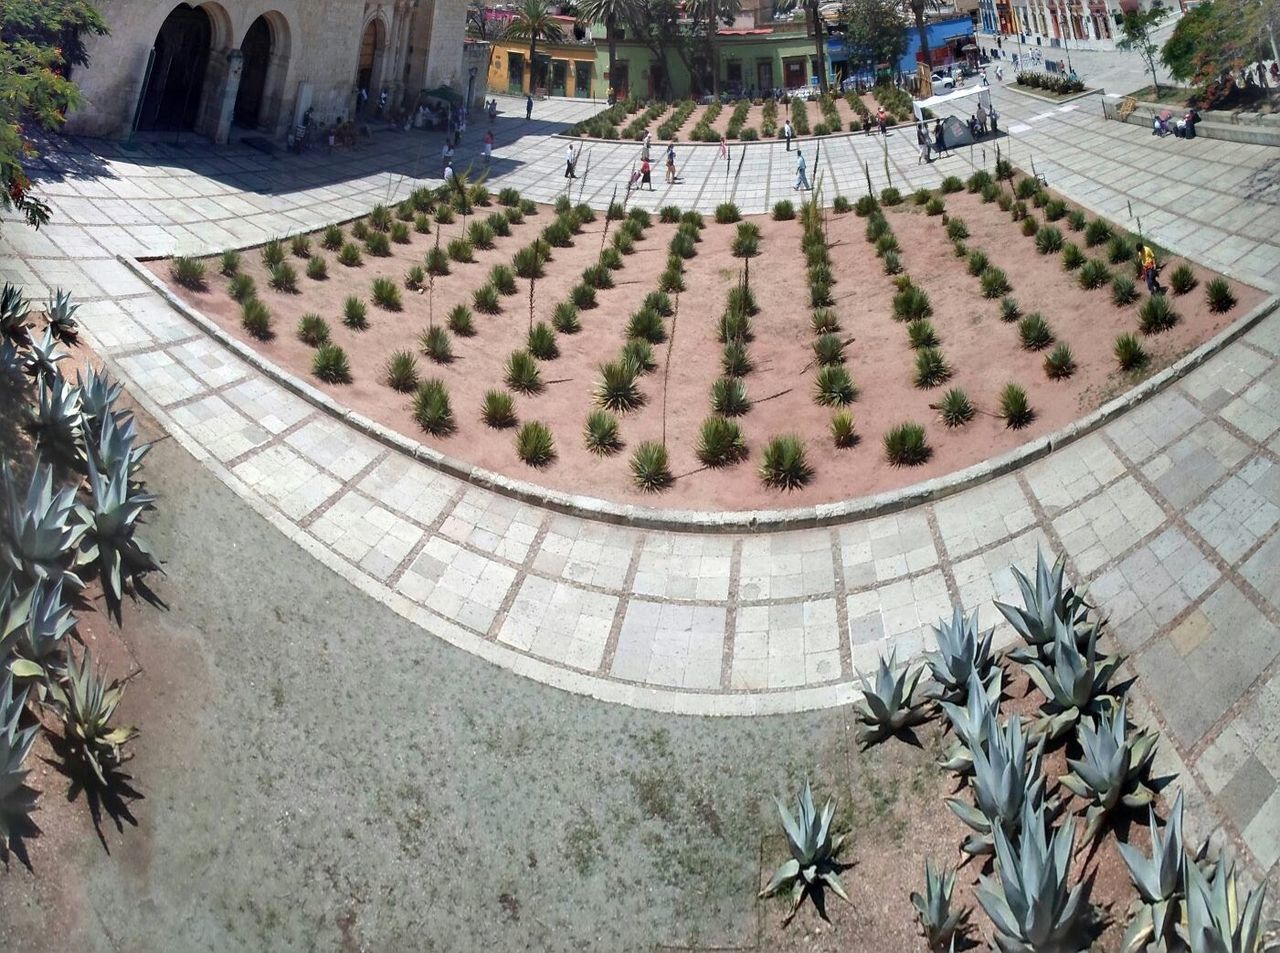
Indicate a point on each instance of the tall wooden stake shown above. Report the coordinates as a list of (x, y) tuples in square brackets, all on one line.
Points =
[(666, 373)]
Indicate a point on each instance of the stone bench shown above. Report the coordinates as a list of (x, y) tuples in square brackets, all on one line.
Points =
[(1254, 128)]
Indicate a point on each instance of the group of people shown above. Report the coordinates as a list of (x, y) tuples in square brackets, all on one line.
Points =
[(1184, 128), (642, 178)]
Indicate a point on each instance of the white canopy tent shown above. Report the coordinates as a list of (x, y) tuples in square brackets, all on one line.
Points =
[(948, 104)]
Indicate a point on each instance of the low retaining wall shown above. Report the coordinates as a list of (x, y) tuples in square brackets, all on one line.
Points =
[(1252, 128)]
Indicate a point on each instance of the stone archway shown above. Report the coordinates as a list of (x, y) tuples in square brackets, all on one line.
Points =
[(176, 85), (374, 40), (263, 66)]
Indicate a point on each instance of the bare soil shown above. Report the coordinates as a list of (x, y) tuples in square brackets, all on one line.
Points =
[(983, 351), (755, 116)]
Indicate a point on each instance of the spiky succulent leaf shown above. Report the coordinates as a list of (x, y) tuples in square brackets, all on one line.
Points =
[(1043, 600), (1006, 778), (60, 313), (118, 446), (1159, 881), (91, 703), (39, 534), (1074, 682), (13, 314), (43, 356), (962, 650), (814, 851), (1217, 922), (974, 722), (98, 395), (40, 646), (57, 419), (16, 799), (1113, 768), (111, 519), (938, 921), (888, 703)]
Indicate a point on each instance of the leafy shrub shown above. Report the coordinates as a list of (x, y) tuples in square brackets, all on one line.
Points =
[(727, 213), (1029, 226), (333, 238), (1048, 240), (1096, 232), (641, 219), (729, 397), (1129, 353), (646, 324), (650, 468), (1156, 315), (617, 389), (355, 314), (952, 183), (1072, 256), (720, 442), (745, 245), (188, 272), (230, 263), (415, 277), (1220, 297), (597, 276), (1094, 274), (405, 211), (783, 211), (824, 321), (978, 181), (672, 279), (1054, 209), (498, 409), (1018, 212), (1015, 409), (890, 196), (436, 345), (1035, 333), (437, 262), (990, 192), (1027, 188), (241, 288), (444, 214), (905, 445), (601, 433), (911, 303), (503, 279), (400, 233), (380, 218), (378, 245), (1182, 280), (934, 206), (892, 263), (432, 409), (960, 249), (522, 374), (313, 330), (734, 325), (1119, 250), (955, 408), (833, 387), (284, 277), (885, 243), (485, 299), (256, 319), (931, 368), (317, 268), (840, 205), (624, 243), (1060, 363), (995, 283), (784, 465), (669, 214), (509, 197), (498, 222), (920, 333), (402, 371), (460, 250), (542, 342), (611, 259), (583, 297), (330, 364), (564, 318), (734, 359), (1009, 310), (866, 205), (386, 295), (921, 196), (360, 231), (843, 433), (1123, 290), (480, 235), (350, 256), (460, 321), (1076, 220), (528, 262), (957, 230), (1004, 200), (978, 263), (272, 253)]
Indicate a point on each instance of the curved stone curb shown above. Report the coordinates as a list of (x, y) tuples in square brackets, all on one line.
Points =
[(748, 521), (1012, 87), (744, 143)]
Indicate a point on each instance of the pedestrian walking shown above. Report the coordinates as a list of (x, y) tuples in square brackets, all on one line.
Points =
[(569, 160), (994, 118), (922, 140), (788, 133), (866, 123), (802, 180), (362, 99), (528, 106), (724, 148), (446, 154), (882, 120), (448, 171), (487, 149), (939, 138), (1147, 259), (671, 163), (382, 102), (646, 174), (644, 148)]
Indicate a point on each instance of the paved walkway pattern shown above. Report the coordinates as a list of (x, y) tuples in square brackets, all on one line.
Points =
[(1170, 512)]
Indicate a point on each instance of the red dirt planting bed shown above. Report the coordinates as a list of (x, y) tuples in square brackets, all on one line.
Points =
[(983, 352)]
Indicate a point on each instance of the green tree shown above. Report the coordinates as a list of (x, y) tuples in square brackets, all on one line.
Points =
[(917, 13), (657, 24), (709, 14), (40, 43), (1217, 40), (534, 21), (817, 26), (612, 13), (875, 31), (1135, 35), (482, 28)]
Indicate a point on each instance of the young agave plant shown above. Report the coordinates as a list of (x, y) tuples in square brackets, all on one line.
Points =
[(1044, 600), (40, 537), (15, 607), (115, 446), (1033, 906), (814, 862), (12, 361), (57, 419), (89, 704), (938, 921), (962, 651), (60, 313), (1114, 768), (111, 520), (1074, 682), (1217, 922), (43, 357), (1159, 881), (98, 395), (13, 314), (974, 723), (16, 799), (1006, 780), (887, 704), (40, 647)]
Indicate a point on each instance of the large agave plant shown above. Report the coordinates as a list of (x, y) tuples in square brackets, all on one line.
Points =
[(962, 651), (973, 723), (1217, 922), (1113, 769), (12, 361), (1159, 880), (117, 445), (1074, 682), (111, 519), (1049, 597), (40, 535), (89, 703), (887, 704), (43, 356), (40, 647), (814, 862), (15, 607), (1006, 781), (13, 314), (1033, 905), (57, 420), (60, 313), (938, 921), (98, 395), (16, 799)]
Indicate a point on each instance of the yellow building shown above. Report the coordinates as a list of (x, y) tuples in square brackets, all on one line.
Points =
[(563, 69)]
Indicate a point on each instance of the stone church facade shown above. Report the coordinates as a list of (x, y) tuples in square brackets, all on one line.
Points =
[(256, 66)]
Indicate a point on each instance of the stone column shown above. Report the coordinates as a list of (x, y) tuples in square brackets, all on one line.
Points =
[(227, 105)]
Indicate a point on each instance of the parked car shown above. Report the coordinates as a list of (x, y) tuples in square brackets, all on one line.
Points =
[(943, 81)]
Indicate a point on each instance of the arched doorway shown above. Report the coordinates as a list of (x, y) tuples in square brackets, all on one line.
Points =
[(256, 48), (369, 67), (177, 80)]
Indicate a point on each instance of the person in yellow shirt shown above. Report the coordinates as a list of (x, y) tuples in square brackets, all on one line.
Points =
[(1147, 259)]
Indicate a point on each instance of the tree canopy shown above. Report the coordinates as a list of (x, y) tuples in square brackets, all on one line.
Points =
[(875, 31), (39, 45), (1217, 40)]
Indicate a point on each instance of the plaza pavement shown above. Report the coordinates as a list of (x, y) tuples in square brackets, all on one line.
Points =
[(1169, 512)]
